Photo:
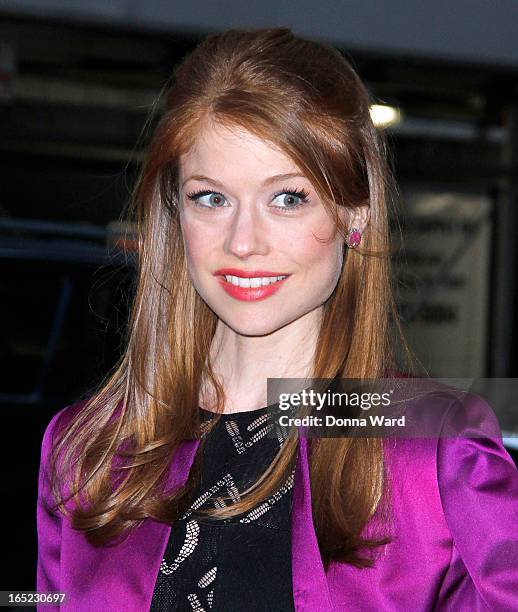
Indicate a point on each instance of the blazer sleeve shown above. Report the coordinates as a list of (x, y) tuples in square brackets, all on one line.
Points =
[(48, 522), (478, 484)]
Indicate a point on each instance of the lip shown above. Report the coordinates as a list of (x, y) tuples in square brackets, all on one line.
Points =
[(249, 294), (247, 273)]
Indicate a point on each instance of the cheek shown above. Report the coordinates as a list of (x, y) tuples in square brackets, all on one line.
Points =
[(322, 259), (195, 245)]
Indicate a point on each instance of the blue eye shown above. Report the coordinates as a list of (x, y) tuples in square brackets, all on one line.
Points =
[(292, 199), (215, 199)]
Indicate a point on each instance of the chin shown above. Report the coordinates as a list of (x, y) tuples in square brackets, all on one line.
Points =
[(252, 326)]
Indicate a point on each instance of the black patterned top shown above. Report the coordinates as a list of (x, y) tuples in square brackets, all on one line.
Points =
[(237, 564)]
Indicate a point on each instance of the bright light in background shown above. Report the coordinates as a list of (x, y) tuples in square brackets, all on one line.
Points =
[(385, 116)]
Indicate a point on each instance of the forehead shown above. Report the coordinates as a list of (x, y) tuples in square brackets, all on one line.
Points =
[(226, 151)]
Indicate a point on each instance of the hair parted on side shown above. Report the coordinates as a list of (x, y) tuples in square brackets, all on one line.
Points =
[(305, 98)]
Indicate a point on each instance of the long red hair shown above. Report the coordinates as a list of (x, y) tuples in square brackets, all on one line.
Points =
[(306, 98)]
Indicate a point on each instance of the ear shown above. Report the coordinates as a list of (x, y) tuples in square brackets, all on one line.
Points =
[(357, 217)]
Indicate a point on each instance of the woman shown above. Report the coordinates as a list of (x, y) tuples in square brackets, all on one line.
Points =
[(263, 253)]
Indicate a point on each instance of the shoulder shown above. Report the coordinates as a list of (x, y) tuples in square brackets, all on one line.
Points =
[(59, 422), (473, 467), (54, 428), (470, 447), (453, 456), (82, 414), (447, 431), (442, 415)]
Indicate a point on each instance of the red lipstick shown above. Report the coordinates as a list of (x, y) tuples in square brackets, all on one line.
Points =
[(247, 273), (249, 294)]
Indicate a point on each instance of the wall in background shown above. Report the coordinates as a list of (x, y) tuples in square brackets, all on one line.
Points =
[(473, 30)]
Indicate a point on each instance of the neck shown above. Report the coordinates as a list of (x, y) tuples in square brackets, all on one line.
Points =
[(244, 363)]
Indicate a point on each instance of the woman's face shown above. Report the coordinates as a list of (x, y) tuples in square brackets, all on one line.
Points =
[(248, 215)]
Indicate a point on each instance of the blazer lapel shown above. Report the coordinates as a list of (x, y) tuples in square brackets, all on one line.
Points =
[(155, 536), (310, 588)]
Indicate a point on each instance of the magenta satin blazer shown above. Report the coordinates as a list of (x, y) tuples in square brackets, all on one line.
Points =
[(454, 527)]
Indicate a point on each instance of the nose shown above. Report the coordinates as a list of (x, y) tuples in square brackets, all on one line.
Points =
[(246, 234)]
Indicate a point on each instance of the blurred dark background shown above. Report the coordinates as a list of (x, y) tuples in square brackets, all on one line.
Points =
[(77, 84)]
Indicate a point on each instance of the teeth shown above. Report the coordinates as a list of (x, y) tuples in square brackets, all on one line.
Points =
[(252, 282)]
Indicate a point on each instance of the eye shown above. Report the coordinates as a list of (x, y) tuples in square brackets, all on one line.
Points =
[(207, 199), (291, 199)]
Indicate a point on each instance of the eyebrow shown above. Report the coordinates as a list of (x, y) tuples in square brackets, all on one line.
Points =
[(268, 181)]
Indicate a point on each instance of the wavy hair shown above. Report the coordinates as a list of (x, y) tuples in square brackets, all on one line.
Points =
[(304, 97)]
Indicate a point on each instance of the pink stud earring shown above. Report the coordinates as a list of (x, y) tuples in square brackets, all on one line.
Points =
[(353, 238)]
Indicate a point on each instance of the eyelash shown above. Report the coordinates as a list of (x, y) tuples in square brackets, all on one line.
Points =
[(302, 194)]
